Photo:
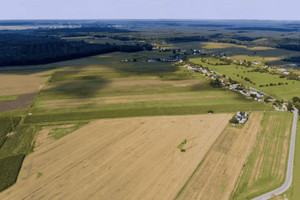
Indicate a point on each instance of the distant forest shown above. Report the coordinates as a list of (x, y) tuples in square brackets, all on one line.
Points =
[(47, 46)]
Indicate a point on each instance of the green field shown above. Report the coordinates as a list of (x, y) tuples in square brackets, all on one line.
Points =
[(7, 125), (8, 98), (10, 167), (266, 166), (238, 73)]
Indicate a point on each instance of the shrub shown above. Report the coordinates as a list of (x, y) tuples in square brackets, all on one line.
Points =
[(295, 99), (233, 120)]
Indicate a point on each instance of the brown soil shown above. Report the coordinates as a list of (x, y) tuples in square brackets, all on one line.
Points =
[(22, 102)]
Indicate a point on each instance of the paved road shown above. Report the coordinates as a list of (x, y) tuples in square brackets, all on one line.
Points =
[(289, 174)]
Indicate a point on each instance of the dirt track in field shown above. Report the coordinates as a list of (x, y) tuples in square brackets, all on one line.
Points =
[(129, 158), (219, 172)]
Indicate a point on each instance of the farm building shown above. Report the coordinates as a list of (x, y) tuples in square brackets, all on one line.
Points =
[(242, 117)]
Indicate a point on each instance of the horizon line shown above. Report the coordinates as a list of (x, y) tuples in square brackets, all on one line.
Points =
[(172, 19)]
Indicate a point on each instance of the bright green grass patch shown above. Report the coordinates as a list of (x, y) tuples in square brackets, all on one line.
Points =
[(238, 73), (269, 149), (58, 133), (39, 175), (8, 98), (181, 145), (10, 167)]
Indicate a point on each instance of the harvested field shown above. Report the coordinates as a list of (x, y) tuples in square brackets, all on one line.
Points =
[(63, 103), (132, 158), (218, 173), (22, 102), (12, 84)]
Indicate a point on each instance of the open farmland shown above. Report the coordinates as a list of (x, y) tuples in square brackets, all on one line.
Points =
[(217, 175), (238, 73), (110, 158), (13, 82), (106, 84), (17, 89), (266, 165), (218, 45)]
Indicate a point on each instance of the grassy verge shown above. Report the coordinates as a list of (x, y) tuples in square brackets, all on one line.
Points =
[(154, 111), (266, 165), (293, 193)]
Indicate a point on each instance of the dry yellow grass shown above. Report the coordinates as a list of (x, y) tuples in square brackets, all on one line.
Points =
[(12, 84), (260, 48), (130, 158), (217, 45), (219, 172)]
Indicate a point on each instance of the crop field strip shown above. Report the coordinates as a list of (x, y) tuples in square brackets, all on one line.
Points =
[(266, 166), (216, 176)]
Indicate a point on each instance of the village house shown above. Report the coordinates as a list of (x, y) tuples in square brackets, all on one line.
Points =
[(253, 92), (242, 117), (260, 94), (256, 62), (259, 99), (244, 92)]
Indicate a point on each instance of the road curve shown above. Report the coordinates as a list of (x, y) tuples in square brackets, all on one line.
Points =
[(289, 174)]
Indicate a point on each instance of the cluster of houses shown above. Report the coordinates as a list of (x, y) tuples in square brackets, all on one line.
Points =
[(284, 71), (257, 95), (171, 59)]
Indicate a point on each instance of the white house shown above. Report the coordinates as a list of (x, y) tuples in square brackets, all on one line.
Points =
[(242, 117), (253, 92), (244, 92), (260, 94)]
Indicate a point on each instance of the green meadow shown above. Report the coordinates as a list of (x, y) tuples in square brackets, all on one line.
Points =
[(286, 91)]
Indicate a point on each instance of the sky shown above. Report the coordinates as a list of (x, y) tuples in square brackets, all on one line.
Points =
[(150, 9)]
